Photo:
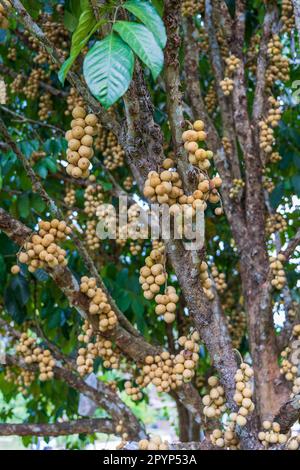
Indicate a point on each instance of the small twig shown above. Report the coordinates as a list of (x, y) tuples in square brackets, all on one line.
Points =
[(24, 119)]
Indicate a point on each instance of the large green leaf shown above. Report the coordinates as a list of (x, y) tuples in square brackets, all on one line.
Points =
[(146, 12), (142, 42), (86, 27), (108, 69)]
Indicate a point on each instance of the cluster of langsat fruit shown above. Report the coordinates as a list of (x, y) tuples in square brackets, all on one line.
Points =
[(266, 137), (57, 34), (3, 14), (137, 227), (275, 223), (132, 391), (135, 248), (222, 44), (197, 155), (80, 143), (186, 360), (274, 112), (252, 53), (107, 216), (227, 438), (276, 266), (110, 356), (45, 106), (91, 238), (70, 196), (85, 359), (42, 250), (227, 145), (235, 189), (154, 443), (158, 370), (236, 323), (227, 86), (93, 198), (271, 434), (232, 64), (153, 275), (33, 354), (99, 304), (268, 183), (192, 7), (275, 157), (101, 348), (278, 68), (214, 402), (243, 393), (211, 99), (287, 15), (164, 187), (128, 183), (107, 143), (17, 84), (166, 304), (219, 279), (31, 88), (207, 191), (166, 371), (203, 40), (290, 361), (73, 100), (23, 379), (205, 280), (86, 355), (3, 95)]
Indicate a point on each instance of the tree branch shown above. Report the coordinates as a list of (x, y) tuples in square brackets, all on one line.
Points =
[(24, 119), (79, 426), (293, 244), (103, 396), (262, 61), (288, 414)]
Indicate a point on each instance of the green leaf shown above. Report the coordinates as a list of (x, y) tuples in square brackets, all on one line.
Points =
[(2, 268), (37, 203), (41, 169), (21, 289), (159, 6), (24, 206), (276, 195), (51, 164), (146, 12), (33, 7), (108, 69), (70, 21), (123, 301), (107, 186), (86, 27), (296, 184), (143, 43)]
